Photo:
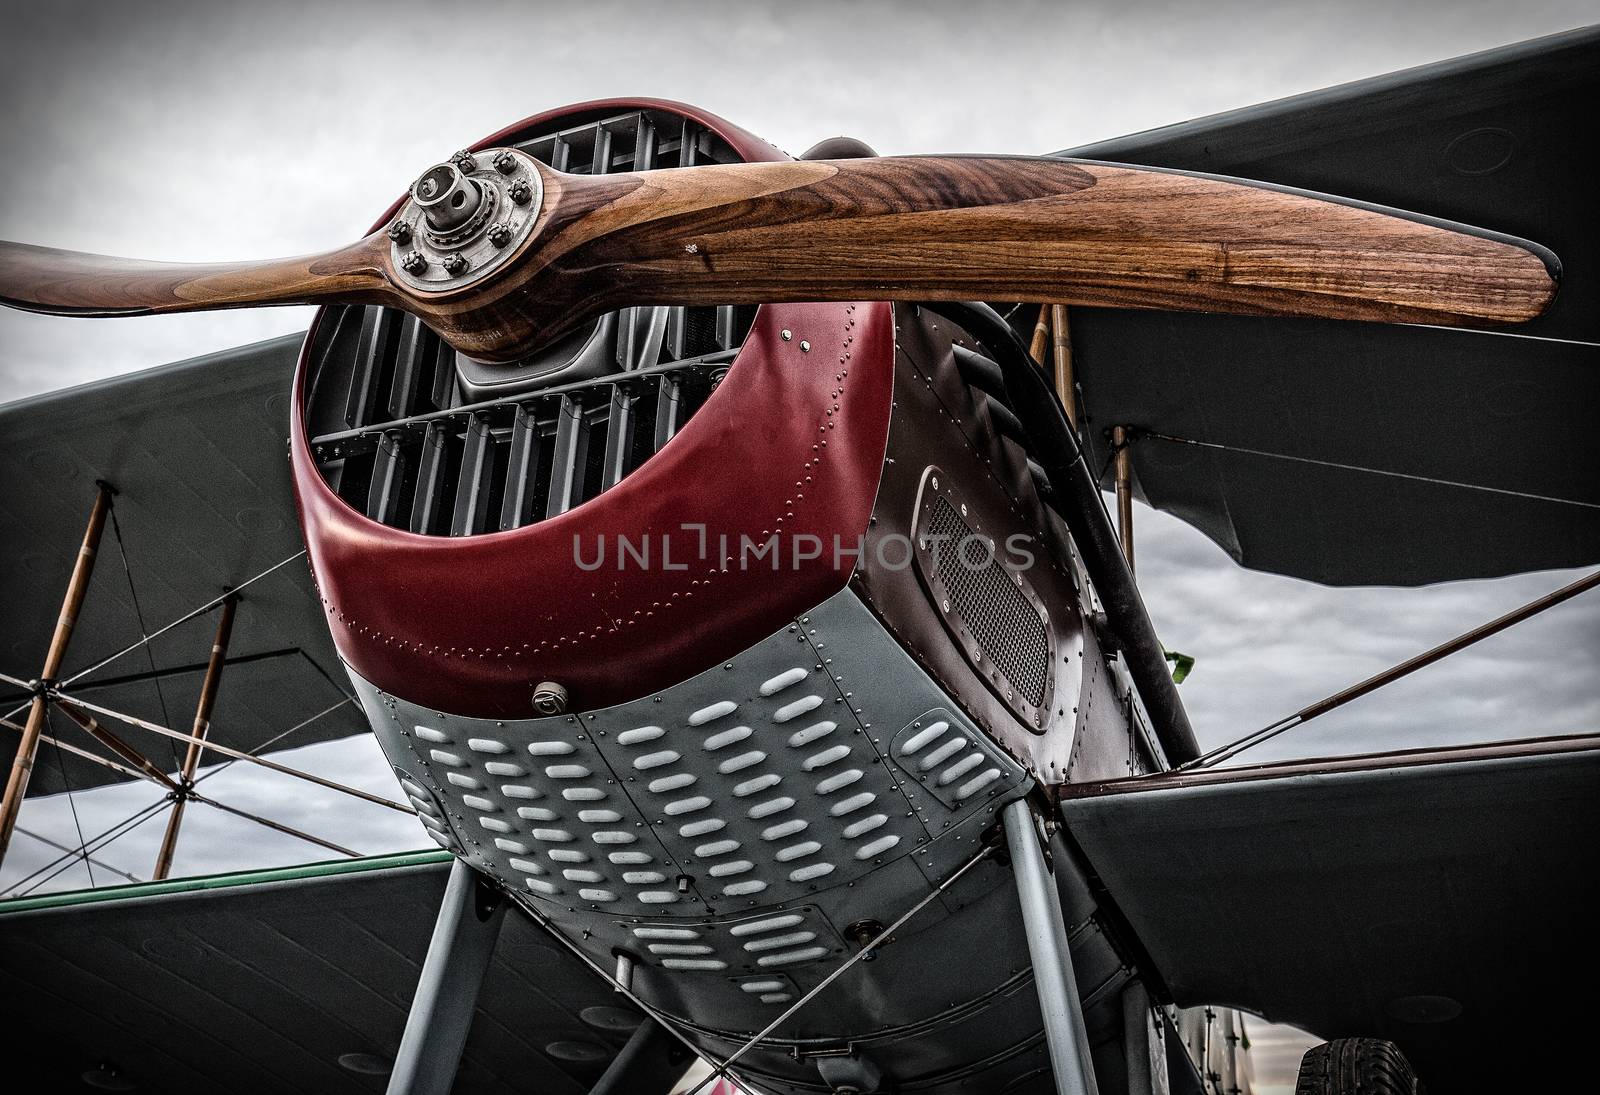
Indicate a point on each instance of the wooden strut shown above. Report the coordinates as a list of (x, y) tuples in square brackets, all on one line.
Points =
[(1041, 335), (1120, 438), (67, 746), (77, 588), (202, 724), (1061, 357), (1053, 337), (91, 726)]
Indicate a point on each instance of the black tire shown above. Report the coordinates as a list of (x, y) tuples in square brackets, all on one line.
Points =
[(1356, 1066)]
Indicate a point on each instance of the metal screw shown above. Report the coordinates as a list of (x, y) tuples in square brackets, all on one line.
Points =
[(400, 232), (464, 162), (500, 234), (455, 263), (520, 191), (413, 262), (549, 698), (505, 162)]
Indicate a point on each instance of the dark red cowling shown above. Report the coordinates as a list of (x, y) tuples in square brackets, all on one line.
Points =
[(790, 444)]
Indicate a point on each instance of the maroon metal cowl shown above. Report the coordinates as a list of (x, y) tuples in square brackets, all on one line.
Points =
[(790, 444)]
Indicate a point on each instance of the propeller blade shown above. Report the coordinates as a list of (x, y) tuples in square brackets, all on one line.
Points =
[(908, 228), (1074, 232), (72, 283)]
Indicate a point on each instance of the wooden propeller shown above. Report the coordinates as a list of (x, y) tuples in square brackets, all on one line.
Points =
[(904, 228)]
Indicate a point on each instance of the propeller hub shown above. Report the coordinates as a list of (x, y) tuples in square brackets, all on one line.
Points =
[(465, 217), (447, 198)]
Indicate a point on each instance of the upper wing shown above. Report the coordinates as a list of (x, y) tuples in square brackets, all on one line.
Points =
[(196, 451), (1489, 433), (1441, 900)]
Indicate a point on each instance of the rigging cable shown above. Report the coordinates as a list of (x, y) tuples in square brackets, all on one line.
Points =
[(61, 763), (1433, 480), (144, 637), (202, 610), (95, 844), (1394, 673)]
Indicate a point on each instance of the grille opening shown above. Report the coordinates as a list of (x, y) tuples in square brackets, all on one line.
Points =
[(988, 603), (419, 439), (507, 463)]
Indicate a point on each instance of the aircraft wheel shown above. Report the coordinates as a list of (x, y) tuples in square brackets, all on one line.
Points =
[(1346, 1066)]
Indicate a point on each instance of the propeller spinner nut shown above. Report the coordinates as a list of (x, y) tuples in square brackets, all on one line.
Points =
[(447, 198), (459, 226)]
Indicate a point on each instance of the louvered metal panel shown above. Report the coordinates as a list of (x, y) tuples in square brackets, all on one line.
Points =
[(502, 464)]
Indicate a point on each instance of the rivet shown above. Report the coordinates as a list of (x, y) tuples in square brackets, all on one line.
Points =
[(805, 347), (786, 334)]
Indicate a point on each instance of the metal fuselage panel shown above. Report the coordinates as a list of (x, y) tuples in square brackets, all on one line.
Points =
[(1088, 726), (735, 834)]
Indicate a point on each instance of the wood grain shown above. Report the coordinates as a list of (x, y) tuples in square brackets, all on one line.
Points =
[(908, 228), (44, 279)]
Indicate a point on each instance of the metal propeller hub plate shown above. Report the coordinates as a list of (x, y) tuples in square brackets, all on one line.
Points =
[(464, 218)]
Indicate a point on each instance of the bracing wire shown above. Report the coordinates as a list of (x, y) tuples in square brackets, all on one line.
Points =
[(144, 632)]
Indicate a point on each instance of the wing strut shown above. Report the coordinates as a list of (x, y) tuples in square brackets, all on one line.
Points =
[(202, 725), (77, 589)]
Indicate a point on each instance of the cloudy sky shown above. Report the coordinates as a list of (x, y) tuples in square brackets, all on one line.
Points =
[(192, 131)]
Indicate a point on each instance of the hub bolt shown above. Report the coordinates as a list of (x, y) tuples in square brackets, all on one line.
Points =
[(505, 162), (500, 234), (520, 192), (400, 232), (455, 263), (414, 263), (464, 162)]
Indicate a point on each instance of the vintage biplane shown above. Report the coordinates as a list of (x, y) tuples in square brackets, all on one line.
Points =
[(734, 599)]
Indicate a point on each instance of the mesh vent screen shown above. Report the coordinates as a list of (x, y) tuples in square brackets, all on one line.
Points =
[(1002, 621)]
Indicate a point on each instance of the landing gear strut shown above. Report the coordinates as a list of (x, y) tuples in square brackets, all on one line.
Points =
[(1052, 958)]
